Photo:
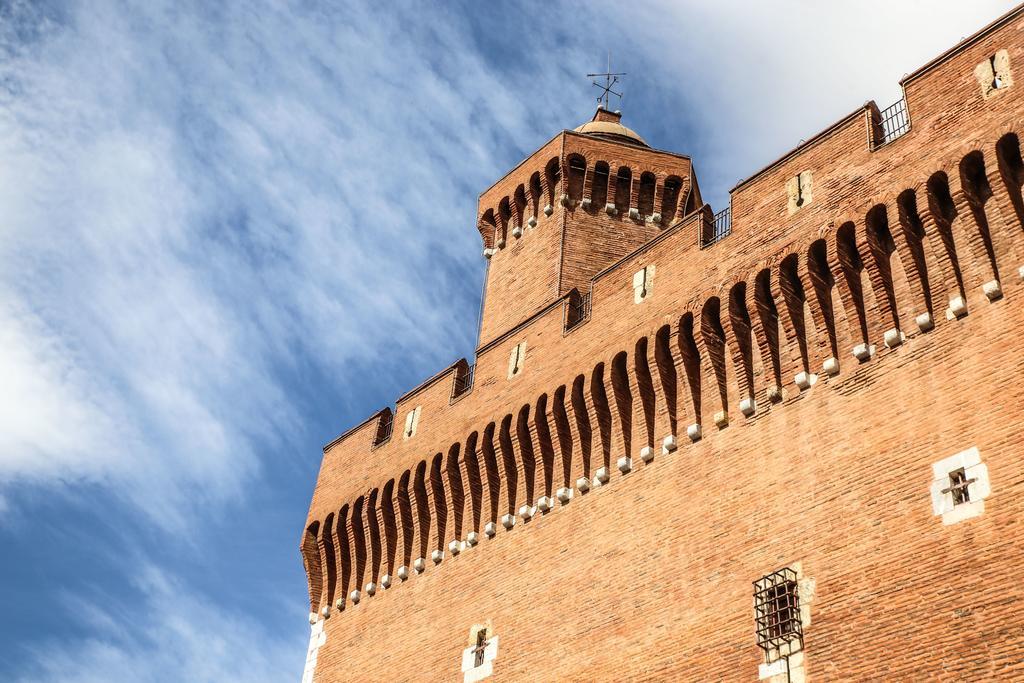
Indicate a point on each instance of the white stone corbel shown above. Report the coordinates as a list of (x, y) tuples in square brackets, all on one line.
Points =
[(354, 597), (992, 289), (669, 444), (548, 210), (694, 432), (583, 484), (830, 366), (325, 612), (862, 352), (420, 564), (957, 308), (532, 221), (585, 202), (774, 393), (544, 503), (454, 547), (340, 603), (370, 588), (312, 618), (517, 232), (893, 338), (472, 538), (437, 556), (564, 200), (501, 243), (625, 464), (526, 512), (490, 529), (655, 218), (925, 323), (564, 495), (385, 581), (647, 454), (805, 380), (402, 573), (508, 521), (721, 419), (488, 252), (748, 406), (610, 209), (601, 477), (634, 213)]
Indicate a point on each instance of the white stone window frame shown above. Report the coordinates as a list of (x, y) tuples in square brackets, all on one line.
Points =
[(799, 191), (516, 360), (643, 283), (977, 491), (412, 421), (470, 671)]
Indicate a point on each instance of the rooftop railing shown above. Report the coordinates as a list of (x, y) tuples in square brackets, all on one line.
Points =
[(721, 227), (894, 121)]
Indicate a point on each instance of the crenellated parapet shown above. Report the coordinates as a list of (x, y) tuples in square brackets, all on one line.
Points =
[(858, 247)]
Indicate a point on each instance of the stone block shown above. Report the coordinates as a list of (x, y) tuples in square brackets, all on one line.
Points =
[(601, 476), (694, 432), (564, 495), (830, 366), (805, 380), (526, 512), (748, 406), (402, 573), (490, 529), (583, 484), (957, 307), (420, 564), (508, 521), (925, 323), (647, 454), (610, 209), (625, 464), (893, 338), (517, 232), (385, 581), (548, 210), (454, 547), (354, 597), (862, 352), (472, 538), (544, 503), (370, 588), (669, 444), (992, 289), (721, 419), (436, 556)]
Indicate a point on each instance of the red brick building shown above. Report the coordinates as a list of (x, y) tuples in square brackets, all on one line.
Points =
[(781, 442)]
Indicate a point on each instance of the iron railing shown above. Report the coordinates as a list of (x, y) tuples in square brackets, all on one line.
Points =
[(385, 426), (577, 311), (463, 382), (894, 121), (721, 228)]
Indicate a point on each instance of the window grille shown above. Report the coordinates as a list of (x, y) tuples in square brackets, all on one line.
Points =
[(481, 646), (577, 311), (777, 611), (894, 122), (958, 486), (385, 426), (721, 227), (463, 382)]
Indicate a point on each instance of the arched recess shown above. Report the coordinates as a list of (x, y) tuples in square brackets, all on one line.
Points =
[(359, 541), (508, 459), (387, 508), (822, 282), (986, 247), (1011, 171), (691, 362), (913, 238), (552, 176), (504, 218), (623, 186), (341, 537), (942, 212), (406, 518), (373, 525), (645, 199), (599, 398), (519, 205), (330, 558), (670, 199), (536, 193), (851, 266), (599, 192), (493, 473), (883, 250), (473, 473), (564, 434), (766, 325), (526, 453), (582, 420), (623, 401), (577, 173), (311, 560), (645, 387), (739, 318), (488, 228), (421, 499), (440, 508), (547, 450), (455, 489), (713, 336), (795, 299), (665, 363)]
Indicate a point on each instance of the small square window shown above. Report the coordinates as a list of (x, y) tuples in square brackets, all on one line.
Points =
[(958, 486), (777, 612)]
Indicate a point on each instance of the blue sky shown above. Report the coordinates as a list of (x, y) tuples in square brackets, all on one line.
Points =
[(229, 231)]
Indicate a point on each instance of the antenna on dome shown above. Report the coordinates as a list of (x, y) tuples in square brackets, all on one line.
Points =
[(610, 79)]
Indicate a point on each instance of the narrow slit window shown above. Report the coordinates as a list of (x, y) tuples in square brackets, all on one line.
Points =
[(959, 484)]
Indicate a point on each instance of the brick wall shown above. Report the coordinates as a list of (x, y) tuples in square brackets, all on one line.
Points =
[(650, 576)]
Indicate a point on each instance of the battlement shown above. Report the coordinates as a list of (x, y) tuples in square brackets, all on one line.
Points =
[(858, 252)]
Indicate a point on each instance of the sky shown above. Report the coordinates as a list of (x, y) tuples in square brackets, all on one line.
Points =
[(230, 231)]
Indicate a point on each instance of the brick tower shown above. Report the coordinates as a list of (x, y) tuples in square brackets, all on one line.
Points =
[(781, 442)]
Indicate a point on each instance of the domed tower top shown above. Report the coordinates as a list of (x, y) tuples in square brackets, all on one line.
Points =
[(608, 124)]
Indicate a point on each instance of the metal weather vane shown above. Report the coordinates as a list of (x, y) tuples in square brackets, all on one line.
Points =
[(610, 79)]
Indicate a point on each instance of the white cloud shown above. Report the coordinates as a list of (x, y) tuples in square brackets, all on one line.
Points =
[(169, 634)]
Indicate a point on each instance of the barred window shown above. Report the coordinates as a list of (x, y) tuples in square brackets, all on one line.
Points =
[(777, 611)]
